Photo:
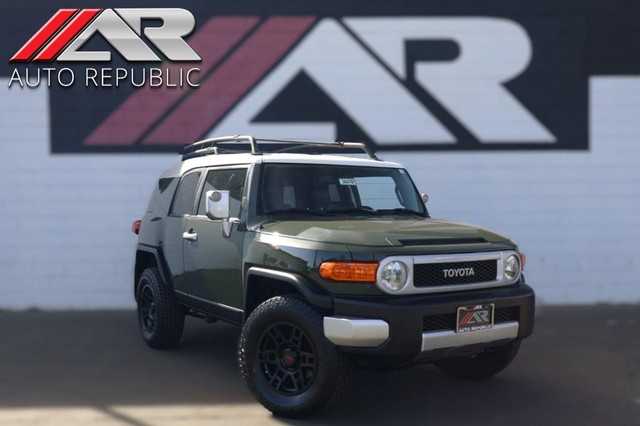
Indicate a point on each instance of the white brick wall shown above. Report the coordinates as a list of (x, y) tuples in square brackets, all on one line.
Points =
[(65, 219), (575, 214), (65, 239)]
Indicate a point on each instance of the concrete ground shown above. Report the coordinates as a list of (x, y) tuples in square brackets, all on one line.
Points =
[(582, 366)]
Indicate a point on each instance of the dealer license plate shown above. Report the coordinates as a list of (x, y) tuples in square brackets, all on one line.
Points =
[(474, 318)]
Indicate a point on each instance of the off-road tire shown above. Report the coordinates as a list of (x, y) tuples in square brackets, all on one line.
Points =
[(160, 316), (480, 366), (332, 373)]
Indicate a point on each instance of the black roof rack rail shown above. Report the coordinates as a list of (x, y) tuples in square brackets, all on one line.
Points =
[(256, 146)]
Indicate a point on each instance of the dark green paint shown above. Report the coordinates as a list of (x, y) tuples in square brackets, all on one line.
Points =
[(213, 267)]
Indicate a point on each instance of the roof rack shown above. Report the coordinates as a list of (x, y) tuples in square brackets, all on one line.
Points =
[(244, 143)]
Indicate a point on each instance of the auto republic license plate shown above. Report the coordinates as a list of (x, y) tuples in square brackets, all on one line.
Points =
[(474, 318)]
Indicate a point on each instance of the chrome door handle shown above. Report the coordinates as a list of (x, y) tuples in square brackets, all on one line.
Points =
[(190, 236)]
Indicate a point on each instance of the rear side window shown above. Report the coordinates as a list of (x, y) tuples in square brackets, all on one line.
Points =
[(185, 195)]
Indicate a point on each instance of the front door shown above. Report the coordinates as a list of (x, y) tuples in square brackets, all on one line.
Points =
[(213, 263)]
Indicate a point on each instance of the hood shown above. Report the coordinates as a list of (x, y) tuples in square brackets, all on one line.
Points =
[(383, 232)]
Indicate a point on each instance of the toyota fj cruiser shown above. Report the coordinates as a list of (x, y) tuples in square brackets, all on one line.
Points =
[(327, 262)]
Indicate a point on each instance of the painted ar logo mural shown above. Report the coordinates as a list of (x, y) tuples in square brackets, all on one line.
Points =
[(362, 66)]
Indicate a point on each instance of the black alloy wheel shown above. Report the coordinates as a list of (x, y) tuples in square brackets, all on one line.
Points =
[(160, 316), (287, 362), (287, 358), (148, 308)]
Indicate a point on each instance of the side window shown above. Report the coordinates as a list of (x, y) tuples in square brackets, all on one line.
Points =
[(185, 195), (231, 180)]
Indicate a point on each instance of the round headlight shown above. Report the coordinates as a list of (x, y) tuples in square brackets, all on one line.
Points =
[(394, 276), (511, 267)]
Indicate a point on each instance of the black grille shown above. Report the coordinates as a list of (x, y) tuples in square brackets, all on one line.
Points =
[(511, 313), (433, 274), (439, 322), (448, 321)]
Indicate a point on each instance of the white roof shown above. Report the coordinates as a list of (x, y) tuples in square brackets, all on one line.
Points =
[(237, 159)]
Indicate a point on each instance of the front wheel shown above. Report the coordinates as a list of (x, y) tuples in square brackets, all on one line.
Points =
[(286, 361), (480, 366)]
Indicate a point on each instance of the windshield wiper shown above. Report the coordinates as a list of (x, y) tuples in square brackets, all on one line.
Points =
[(299, 211), (353, 210), (400, 210)]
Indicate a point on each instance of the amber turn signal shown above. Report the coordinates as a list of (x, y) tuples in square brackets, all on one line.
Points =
[(523, 260), (362, 272)]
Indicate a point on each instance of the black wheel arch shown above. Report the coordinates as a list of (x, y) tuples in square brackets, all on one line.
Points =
[(149, 257), (262, 284)]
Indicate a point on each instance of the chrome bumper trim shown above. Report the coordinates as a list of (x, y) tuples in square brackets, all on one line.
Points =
[(361, 333), (451, 339)]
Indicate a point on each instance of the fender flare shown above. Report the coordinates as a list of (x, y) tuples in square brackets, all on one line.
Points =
[(163, 268), (311, 292)]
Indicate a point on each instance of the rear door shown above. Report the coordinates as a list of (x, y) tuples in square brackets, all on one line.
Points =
[(212, 262)]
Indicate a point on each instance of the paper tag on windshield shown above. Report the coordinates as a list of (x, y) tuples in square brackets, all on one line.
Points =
[(347, 181)]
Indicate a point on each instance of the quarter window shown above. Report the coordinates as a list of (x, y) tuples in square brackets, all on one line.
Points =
[(185, 195)]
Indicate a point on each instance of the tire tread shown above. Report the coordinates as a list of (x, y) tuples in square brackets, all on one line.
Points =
[(343, 378), (169, 313)]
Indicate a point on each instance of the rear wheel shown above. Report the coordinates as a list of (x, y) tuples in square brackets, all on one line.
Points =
[(286, 361), (482, 365), (160, 316)]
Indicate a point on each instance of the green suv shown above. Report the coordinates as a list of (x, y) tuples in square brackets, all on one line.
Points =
[(328, 261)]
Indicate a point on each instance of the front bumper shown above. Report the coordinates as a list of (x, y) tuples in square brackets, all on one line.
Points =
[(396, 327)]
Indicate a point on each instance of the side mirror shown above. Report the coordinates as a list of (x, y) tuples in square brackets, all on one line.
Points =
[(425, 198), (217, 204)]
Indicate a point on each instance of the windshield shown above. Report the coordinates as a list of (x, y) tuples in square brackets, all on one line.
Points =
[(334, 190)]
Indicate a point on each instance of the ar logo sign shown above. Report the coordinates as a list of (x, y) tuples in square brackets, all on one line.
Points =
[(361, 64), (64, 34)]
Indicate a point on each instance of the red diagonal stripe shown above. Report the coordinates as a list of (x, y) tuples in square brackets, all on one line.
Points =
[(231, 81), (144, 107), (43, 35), (466, 318), (67, 34)]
